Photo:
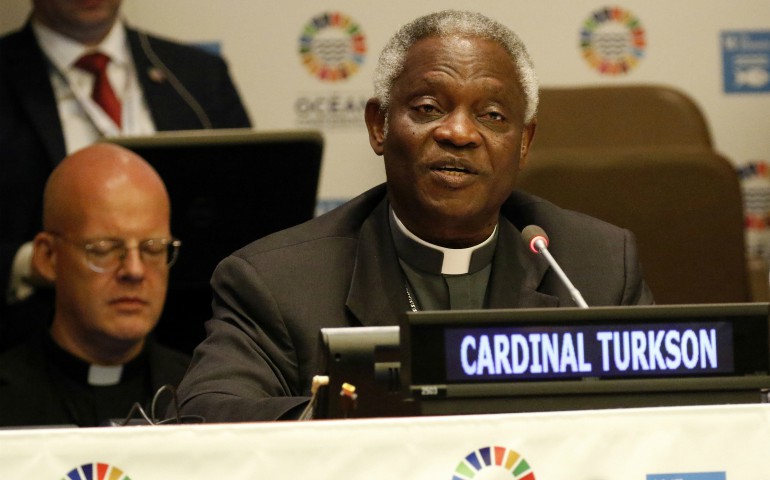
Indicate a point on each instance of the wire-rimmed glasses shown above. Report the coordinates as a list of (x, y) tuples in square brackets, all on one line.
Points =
[(108, 254)]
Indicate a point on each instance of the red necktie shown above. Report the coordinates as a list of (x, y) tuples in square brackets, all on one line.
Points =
[(103, 94)]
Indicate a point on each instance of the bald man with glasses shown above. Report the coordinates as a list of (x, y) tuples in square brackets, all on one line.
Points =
[(107, 249)]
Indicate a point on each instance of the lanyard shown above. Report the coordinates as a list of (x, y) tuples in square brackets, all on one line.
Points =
[(99, 120)]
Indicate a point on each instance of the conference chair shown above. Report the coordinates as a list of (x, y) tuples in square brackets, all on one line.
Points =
[(641, 156), (624, 116), (683, 204)]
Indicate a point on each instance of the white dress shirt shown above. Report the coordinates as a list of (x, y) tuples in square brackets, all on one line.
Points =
[(83, 121)]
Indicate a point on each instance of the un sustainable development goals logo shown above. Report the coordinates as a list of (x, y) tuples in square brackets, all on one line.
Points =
[(612, 41), (332, 46), (96, 471), (493, 463)]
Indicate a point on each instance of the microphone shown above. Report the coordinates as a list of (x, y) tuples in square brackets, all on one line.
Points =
[(538, 243)]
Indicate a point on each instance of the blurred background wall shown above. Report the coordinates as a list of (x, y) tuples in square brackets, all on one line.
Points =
[(717, 52)]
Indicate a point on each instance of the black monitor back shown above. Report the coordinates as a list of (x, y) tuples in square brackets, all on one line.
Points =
[(368, 358), (227, 189)]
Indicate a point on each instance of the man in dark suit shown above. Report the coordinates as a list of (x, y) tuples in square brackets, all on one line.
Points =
[(453, 116), (46, 110), (107, 249)]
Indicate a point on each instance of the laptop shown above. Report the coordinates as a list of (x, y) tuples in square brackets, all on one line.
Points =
[(227, 189)]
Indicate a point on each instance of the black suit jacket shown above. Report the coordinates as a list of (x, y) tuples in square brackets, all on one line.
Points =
[(339, 270), (31, 137)]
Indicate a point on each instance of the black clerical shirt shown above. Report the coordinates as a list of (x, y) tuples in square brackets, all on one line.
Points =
[(442, 278), (41, 384)]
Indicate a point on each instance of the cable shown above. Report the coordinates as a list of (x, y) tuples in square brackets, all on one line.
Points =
[(136, 408), (319, 381), (174, 401), (152, 419)]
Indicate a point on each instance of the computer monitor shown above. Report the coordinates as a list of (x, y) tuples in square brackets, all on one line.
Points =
[(472, 361), (368, 359), (227, 189)]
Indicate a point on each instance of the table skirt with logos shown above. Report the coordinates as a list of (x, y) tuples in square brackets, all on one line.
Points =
[(666, 443)]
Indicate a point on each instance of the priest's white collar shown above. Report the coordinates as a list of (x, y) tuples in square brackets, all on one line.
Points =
[(451, 261)]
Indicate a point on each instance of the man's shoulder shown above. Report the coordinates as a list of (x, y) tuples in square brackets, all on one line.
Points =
[(16, 42), (27, 392), (524, 209), (167, 48), (339, 226), (21, 362), (20, 34)]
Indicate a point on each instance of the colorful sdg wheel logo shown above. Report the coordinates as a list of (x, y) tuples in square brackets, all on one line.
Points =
[(96, 471), (612, 41), (332, 47), (493, 463)]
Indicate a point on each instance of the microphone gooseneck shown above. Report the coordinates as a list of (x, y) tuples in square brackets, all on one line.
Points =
[(160, 72), (537, 240)]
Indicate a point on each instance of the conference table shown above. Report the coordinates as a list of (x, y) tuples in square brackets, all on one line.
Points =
[(662, 443)]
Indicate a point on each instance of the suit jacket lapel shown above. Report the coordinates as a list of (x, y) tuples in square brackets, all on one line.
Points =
[(29, 76), (153, 91), (377, 294), (168, 110)]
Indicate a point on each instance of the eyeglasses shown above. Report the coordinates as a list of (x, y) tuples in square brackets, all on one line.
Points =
[(108, 254)]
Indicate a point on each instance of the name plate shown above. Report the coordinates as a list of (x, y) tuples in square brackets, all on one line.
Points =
[(603, 343), (605, 351)]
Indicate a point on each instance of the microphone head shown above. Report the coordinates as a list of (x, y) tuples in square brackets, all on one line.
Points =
[(533, 233)]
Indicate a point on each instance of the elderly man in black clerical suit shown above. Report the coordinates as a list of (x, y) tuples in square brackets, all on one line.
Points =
[(453, 117), (107, 249), (48, 107)]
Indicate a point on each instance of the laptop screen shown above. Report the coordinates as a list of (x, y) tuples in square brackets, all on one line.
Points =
[(227, 189)]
